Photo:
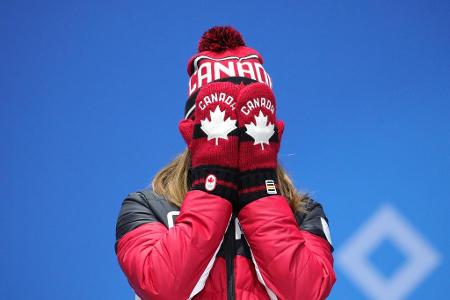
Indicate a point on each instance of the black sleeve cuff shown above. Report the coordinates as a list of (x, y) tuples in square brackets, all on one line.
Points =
[(215, 180), (256, 184)]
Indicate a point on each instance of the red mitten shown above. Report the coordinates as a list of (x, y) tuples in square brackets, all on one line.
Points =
[(212, 138), (259, 142)]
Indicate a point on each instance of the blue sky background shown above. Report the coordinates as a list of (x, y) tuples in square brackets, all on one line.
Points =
[(91, 93)]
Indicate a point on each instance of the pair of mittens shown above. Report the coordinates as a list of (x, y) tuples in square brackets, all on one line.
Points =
[(234, 141)]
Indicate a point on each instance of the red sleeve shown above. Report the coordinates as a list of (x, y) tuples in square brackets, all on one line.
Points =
[(293, 263), (163, 263)]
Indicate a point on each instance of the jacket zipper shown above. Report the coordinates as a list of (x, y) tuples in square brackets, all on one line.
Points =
[(230, 254)]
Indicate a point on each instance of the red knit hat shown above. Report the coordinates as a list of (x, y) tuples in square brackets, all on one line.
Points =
[(223, 56)]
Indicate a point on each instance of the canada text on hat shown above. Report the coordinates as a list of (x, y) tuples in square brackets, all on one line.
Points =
[(222, 54)]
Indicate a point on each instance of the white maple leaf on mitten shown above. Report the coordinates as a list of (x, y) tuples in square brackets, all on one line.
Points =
[(218, 127), (261, 132)]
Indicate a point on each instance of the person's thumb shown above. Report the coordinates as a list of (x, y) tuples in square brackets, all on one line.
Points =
[(280, 128), (186, 127)]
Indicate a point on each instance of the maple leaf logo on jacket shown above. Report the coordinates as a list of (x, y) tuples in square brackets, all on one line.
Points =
[(261, 132), (218, 127)]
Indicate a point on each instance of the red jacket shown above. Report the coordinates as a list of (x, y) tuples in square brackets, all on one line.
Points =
[(201, 252)]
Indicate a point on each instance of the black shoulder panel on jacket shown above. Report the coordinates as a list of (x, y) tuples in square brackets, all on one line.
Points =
[(314, 220), (140, 208), (135, 211)]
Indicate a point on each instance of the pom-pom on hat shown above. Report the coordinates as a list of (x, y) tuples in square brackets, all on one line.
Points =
[(220, 38), (223, 56)]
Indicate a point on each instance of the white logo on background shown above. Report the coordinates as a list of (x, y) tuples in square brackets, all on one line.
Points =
[(387, 224), (171, 216), (270, 187), (210, 182), (261, 132), (218, 127)]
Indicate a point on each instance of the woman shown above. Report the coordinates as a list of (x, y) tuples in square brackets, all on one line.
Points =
[(223, 220)]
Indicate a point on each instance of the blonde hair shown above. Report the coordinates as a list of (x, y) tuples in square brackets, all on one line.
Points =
[(172, 183)]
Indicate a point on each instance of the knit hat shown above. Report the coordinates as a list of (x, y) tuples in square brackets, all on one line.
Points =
[(223, 56)]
